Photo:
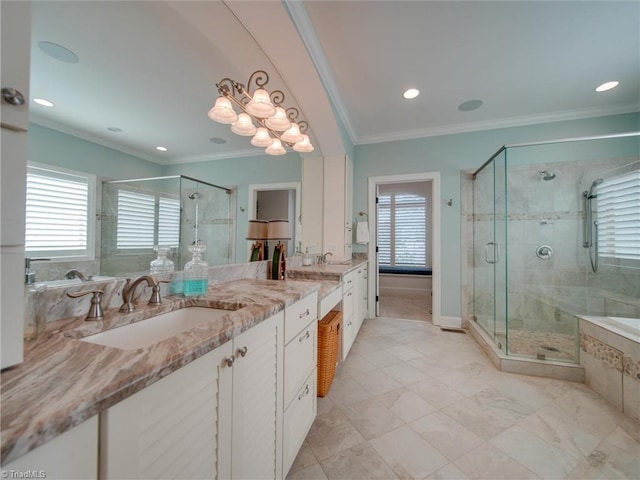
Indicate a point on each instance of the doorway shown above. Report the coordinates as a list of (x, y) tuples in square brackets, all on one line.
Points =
[(405, 248), (277, 201)]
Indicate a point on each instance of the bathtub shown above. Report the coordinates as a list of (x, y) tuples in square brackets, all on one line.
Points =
[(625, 327), (610, 355)]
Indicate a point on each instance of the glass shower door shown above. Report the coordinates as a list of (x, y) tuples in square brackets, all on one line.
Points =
[(489, 234)]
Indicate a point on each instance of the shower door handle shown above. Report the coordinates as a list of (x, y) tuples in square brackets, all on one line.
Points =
[(496, 252)]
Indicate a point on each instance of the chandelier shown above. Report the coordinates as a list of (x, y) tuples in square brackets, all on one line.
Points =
[(275, 123)]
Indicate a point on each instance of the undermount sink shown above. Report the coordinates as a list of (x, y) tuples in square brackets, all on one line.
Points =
[(147, 332)]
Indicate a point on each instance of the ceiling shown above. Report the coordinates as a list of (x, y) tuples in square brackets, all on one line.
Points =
[(150, 68)]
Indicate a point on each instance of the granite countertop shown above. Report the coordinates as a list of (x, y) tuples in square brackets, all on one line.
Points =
[(64, 381), (329, 271)]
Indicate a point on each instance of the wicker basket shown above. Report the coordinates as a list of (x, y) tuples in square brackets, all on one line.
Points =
[(328, 338)]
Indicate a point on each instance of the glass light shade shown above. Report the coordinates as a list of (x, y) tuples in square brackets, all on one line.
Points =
[(279, 120), (278, 230), (304, 145), (244, 126), (292, 135), (222, 111), (257, 230), (261, 138), (260, 105), (275, 148)]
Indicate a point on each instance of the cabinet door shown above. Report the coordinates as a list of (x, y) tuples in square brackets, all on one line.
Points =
[(257, 401), (74, 454), (176, 428)]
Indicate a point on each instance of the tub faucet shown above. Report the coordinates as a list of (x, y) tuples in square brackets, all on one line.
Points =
[(130, 288), (324, 257), (73, 273)]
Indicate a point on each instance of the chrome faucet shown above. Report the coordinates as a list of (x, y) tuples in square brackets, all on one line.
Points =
[(324, 258), (129, 290), (73, 273)]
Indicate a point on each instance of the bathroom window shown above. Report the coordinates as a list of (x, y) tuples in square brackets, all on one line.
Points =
[(59, 222), (403, 235), (619, 217), (145, 220)]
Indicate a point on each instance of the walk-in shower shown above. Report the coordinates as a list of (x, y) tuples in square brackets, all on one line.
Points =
[(553, 240)]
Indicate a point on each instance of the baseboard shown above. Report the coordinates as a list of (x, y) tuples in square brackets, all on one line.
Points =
[(450, 322)]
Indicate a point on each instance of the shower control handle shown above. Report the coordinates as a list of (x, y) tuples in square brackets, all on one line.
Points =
[(544, 252)]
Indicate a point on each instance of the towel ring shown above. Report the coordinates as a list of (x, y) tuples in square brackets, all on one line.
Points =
[(363, 214)]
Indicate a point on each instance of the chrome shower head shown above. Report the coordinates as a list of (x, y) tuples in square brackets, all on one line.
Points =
[(594, 184), (546, 175)]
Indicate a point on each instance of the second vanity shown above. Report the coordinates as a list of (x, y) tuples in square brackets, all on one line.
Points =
[(229, 398)]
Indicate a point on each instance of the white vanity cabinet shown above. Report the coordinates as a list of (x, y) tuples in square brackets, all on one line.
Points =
[(300, 359), (217, 417), (361, 295), (337, 207), (348, 330), (72, 455)]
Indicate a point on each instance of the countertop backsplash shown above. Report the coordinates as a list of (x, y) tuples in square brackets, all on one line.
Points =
[(45, 304)]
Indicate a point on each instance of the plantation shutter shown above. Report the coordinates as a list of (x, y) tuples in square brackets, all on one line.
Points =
[(57, 213), (136, 220), (402, 230), (619, 216), (168, 221)]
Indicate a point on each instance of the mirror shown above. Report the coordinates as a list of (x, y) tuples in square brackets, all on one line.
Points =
[(132, 76)]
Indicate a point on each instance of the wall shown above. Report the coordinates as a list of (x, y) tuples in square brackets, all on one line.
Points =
[(449, 155), (238, 174)]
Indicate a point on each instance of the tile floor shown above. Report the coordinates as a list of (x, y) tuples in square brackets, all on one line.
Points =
[(412, 401), (402, 305)]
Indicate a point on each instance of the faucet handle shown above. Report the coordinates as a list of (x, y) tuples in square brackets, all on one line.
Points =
[(95, 310), (155, 293)]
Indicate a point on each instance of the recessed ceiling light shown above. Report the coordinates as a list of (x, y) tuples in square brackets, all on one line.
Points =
[(607, 86), (470, 105), (217, 140), (411, 93), (162, 149), (58, 52), (43, 102), (114, 129)]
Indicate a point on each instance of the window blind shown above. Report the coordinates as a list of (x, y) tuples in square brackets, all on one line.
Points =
[(402, 230), (619, 216), (168, 221), (136, 220), (57, 220)]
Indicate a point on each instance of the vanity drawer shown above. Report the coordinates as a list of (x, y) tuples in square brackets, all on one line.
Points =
[(348, 281), (329, 302), (299, 359), (298, 315), (298, 419)]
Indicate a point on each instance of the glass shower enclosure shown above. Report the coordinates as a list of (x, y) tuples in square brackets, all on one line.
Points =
[(175, 211), (549, 243)]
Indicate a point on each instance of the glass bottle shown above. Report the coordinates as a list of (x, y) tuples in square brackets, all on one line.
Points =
[(161, 264), (196, 275)]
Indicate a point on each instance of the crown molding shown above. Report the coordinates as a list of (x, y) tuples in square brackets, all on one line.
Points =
[(520, 121), (302, 22), (74, 132), (218, 156)]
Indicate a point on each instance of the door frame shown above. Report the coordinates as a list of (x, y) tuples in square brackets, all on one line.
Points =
[(263, 187), (436, 262)]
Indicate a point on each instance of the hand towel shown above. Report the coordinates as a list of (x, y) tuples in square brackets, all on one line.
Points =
[(362, 232)]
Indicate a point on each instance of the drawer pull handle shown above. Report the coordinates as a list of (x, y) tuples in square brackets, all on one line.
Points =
[(349, 294), (242, 351), (304, 337), (305, 393), (229, 361), (349, 324), (304, 314)]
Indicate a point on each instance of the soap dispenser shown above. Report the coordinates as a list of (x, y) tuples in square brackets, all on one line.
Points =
[(196, 275)]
